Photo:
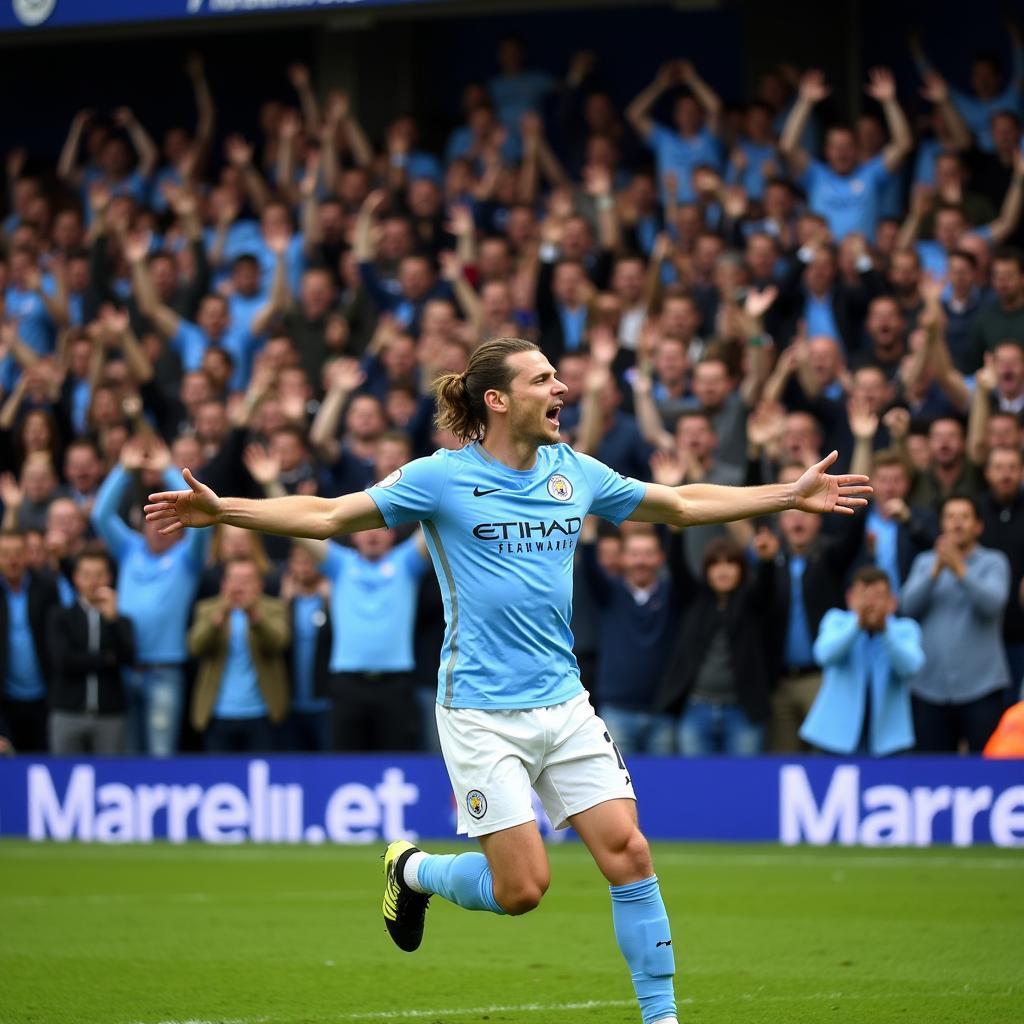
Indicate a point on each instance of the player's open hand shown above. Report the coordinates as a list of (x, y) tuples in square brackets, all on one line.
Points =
[(817, 491), (174, 510)]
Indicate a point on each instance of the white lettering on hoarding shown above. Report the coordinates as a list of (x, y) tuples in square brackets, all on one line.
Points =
[(800, 818), (889, 815), (222, 813), (1008, 817)]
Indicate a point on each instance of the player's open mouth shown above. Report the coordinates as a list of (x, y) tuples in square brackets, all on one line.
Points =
[(553, 413)]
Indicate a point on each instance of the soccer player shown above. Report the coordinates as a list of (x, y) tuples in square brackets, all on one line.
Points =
[(502, 517)]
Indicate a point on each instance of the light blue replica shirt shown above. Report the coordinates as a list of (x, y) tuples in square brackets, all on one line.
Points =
[(752, 177), (681, 155), (34, 323), (239, 695), (307, 618), (849, 202), (819, 318), (514, 95), (887, 558), (502, 542), (935, 259), (373, 607), (191, 343), (154, 591)]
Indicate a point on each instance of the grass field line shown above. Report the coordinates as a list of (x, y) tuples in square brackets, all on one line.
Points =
[(777, 857), (745, 998), (851, 859), (101, 899)]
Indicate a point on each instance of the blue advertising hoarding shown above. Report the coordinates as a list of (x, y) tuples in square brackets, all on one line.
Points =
[(55, 14), (896, 802)]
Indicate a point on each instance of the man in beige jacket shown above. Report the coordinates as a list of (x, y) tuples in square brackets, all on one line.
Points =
[(239, 638)]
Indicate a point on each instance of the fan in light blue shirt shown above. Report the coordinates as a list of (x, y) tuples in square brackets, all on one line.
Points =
[(239, 696), (755, 157), (844, 189), (157, 577), (374, 589), (517, 92), (27, 308), (680, 155), (849, 202), (694, 142), (215, 324), (989, 94)]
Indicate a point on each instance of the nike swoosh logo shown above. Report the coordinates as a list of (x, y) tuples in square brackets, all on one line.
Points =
[(477, 493), (663, 943)]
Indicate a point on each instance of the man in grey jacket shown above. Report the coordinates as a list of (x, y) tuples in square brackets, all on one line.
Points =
[(958, 592)]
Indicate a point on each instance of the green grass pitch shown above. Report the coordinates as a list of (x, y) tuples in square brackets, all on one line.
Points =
[(284, 935)]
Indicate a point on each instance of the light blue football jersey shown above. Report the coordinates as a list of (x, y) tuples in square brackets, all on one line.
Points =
[(502, 542)]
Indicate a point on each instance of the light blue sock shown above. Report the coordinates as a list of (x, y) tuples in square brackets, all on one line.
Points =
[(464, 879), (642, 931)]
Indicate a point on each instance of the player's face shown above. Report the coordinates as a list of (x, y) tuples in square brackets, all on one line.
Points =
[(535, 398)]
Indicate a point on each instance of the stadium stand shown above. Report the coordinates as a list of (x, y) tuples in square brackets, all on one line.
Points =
[(725, 299)]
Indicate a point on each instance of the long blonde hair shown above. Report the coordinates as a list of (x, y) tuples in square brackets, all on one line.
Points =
[(460, 396)]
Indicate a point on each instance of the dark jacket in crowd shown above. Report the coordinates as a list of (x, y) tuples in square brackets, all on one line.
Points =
[(745, 618), (637, 638), (1004, 531), (552, 336), (829, 560), (322, 661), (73, 663), (849, 305)]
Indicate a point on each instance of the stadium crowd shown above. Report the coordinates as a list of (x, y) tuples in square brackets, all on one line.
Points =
[(728, 293)]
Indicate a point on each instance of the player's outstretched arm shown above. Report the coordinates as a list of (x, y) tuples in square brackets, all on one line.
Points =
[(298, 515), (695, 504)]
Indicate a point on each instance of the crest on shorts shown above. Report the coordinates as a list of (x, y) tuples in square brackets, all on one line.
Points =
[(390, 480), (33, 12), (476, 803), (559, 488)]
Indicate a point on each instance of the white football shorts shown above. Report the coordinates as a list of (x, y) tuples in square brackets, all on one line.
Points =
[(494, 759)]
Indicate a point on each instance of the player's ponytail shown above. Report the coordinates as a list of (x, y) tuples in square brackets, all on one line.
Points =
[(460, 396)]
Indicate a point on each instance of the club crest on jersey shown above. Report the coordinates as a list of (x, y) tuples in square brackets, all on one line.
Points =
[(390, 480), (476, 803), (559, 488)]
